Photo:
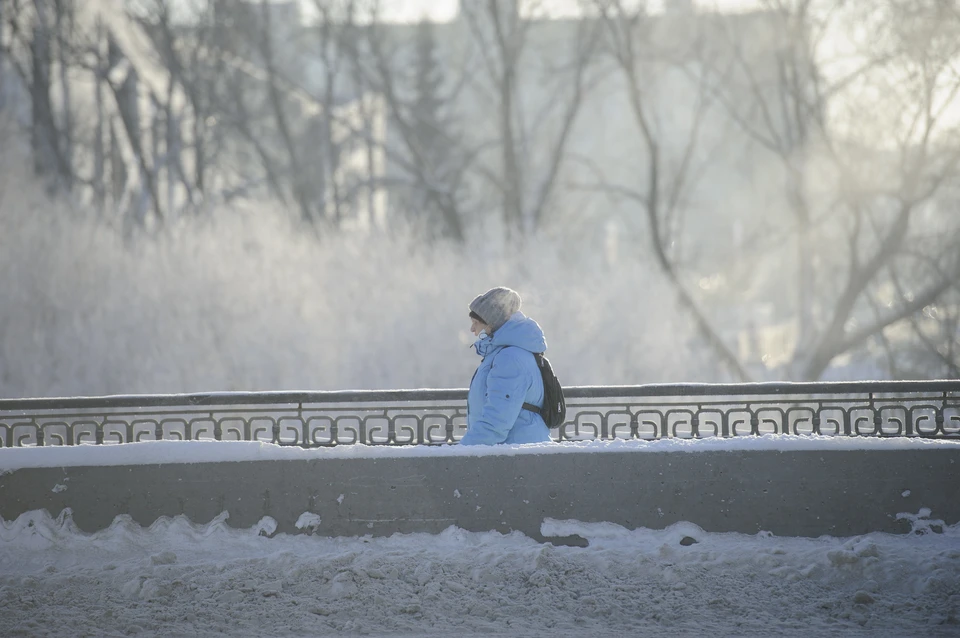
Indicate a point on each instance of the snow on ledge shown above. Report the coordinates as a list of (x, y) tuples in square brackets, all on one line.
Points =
[(161, 452)]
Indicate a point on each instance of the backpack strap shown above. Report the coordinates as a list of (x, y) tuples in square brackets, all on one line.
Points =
[(538, 357)]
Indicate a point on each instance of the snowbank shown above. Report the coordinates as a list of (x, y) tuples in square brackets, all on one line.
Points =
[(177, 578)]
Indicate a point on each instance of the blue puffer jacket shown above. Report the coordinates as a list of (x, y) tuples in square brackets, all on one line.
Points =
[(507, 378)]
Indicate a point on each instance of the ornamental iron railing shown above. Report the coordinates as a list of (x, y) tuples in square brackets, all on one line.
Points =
[(438, 417)]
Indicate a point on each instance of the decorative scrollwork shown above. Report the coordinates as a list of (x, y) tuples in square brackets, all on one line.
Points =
[(438, 417)]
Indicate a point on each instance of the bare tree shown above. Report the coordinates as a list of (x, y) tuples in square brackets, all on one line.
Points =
[(49, 48), (3, 55), (375, 60), (297, 129), (800, 114), (642, 49), (33, 46), (328, 155), (875, 177), (281, 117), (183, 52), (64, 26), (42, 49), (503, 40)]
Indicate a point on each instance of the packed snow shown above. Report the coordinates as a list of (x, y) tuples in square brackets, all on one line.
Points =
[(178, 578), (154, 452)]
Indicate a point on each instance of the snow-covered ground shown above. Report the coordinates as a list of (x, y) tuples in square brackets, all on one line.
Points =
[(181, 579)]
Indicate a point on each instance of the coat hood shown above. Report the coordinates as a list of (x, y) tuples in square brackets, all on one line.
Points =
[(520, 331)]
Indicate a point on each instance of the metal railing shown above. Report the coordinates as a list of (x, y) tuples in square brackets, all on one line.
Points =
[(437, 417)]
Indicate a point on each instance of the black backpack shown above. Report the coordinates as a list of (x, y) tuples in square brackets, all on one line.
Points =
[(554, 409)]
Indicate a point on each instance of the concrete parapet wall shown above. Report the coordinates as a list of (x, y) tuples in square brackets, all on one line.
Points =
[(788, 493)]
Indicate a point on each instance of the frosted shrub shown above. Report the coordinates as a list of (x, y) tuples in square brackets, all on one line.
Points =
[(243, 299)]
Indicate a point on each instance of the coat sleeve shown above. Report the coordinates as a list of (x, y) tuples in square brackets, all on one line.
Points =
[(507, 385)]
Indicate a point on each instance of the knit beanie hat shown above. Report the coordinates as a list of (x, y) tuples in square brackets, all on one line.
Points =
[(496, 305)]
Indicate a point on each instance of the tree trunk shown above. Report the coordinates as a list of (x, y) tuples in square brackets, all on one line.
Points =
[(298, 180), (64, 27), (43, 131), (371, 133), (99, 159), (127, 98), (805, 296), (118, 168), (512, 197), (3, 60)]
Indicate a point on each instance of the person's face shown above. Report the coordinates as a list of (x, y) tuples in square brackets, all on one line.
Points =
[(477, 326)]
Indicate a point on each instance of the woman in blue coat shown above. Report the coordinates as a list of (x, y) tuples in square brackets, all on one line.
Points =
[(508, 375)]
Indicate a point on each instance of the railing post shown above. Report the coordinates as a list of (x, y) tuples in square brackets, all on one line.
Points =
[(877, 417), (940, 418), (305, 431)]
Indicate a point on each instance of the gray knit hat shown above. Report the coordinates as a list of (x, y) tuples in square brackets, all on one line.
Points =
[(496, 305)]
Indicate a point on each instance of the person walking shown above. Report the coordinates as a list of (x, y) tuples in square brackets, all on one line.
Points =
[(508, 377)]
